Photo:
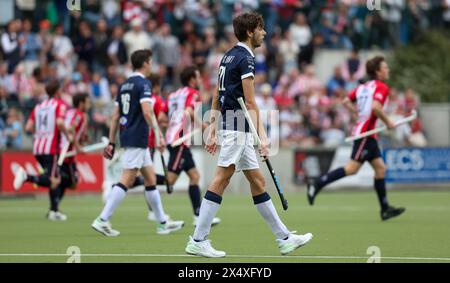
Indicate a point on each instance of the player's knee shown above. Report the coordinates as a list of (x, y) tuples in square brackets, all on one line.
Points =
[(380, 171), (350, 170), (194, 179), (259, 183)]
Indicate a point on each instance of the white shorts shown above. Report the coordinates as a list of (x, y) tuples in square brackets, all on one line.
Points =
[(136, 158), (237, 148)]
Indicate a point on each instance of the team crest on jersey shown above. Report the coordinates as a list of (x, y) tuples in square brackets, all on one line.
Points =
[(123, 121)]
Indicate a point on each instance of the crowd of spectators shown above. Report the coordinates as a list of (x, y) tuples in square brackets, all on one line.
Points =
[(88, 51)]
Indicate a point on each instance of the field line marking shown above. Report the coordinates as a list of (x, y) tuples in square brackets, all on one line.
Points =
[(231, 256)]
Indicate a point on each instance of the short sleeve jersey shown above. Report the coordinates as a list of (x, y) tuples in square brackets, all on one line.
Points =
[(236, 65), (134, 130), (364, 95)]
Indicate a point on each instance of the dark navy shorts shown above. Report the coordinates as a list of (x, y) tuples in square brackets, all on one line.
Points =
[(180, 159), (365, 149)]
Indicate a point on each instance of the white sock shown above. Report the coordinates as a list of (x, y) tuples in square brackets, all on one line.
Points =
[(115, 197), (154, 201), (208, 210), (270, 215)]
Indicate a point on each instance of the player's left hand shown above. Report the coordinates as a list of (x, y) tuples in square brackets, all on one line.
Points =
[(162, 145), (108, 152), (264, 150)]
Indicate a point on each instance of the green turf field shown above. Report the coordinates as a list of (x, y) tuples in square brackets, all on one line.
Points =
[(344, 224)]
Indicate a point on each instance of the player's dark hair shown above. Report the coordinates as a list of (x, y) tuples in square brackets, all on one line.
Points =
[(187, 74), (155, 79), (373, 65), (52, 88), (246, 22), (139, 57), (79, 98)]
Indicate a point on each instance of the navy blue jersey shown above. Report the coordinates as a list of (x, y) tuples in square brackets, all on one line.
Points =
[(237, 64), (134, 130)]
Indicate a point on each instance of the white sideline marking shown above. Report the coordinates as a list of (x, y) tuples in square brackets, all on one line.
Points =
[(233, 256)]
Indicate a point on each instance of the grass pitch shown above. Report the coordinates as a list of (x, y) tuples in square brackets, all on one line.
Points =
[(344, 224)]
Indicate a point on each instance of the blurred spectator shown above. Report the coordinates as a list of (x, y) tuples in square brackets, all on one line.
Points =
[(85, 46), (111, 12), (300, 30), (136, 38), (353, 69), (168, 52), (116, 49), (336, 83), (392, 14), (100, 37), (13, 131), (289, 50), (269, 111), (6, 79), (3, 104), (11, 43), (31, 48), (62, 50)]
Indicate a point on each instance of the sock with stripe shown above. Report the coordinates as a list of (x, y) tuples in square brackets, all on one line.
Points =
[(154, 201), (208, 209), (196, 200), (118, 193), (267, 210)]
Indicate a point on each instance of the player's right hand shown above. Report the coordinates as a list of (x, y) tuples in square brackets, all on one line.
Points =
[(162, 145), (211, 143), (108, 152)]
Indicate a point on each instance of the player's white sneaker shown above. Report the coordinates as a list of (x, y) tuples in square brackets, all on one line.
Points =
[(293, 242), (216, 220), (169, 227), (104, 227), (152, 217), (56, 216), (202, 248), (20, 176)]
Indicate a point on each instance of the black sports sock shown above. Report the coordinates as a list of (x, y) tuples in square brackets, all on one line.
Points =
[(380, 188), (160, 179), (139, 181), (54, 199), (330, 177), (40, 180), (194, 195)]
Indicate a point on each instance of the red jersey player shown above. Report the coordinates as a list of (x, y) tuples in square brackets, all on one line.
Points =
[(76, 119), (47, 123), (181, 105), (369, 99)]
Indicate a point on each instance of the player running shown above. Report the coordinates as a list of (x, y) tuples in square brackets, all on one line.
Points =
[(47, 123), (236, 79), (370, 99), (133, 113), (77, 120)]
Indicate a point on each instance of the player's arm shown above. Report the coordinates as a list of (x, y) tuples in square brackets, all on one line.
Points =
[(350, 105), (211, 141), (68, 132), (377, 108), (250, 102), (147, 111), (108, 153), (29, 126)]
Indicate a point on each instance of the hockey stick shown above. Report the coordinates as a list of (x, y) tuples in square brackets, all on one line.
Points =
[(185, 137), (410, 118), (63, 153), (91, 147), (269, 165), (169, 188)]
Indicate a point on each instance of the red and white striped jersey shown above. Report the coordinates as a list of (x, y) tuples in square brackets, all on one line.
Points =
[(74, 119), (159, 106), (364, 95), (178, 102), (47, 136)]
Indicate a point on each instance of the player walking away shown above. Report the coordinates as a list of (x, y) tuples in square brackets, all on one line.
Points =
[(182, 115), (133, 112), (47, 123), (370, 99), (236, 79), (160, 110), (76, 119)]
